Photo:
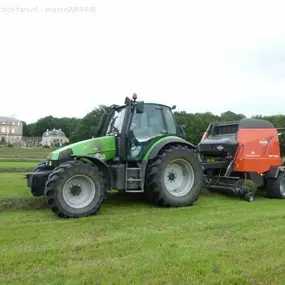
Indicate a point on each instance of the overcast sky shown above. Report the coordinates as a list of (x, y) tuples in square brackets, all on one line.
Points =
[(200, 55)]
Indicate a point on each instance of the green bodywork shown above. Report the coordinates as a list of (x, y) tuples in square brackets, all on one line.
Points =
[(102, 147)]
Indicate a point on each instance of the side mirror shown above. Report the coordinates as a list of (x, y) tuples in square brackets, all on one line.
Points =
[(140, 107)]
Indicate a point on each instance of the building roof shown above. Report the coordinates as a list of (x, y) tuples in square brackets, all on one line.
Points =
[(9, 120), (54, 133)]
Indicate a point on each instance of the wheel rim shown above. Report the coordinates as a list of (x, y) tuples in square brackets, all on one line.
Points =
[(78, 191), (179, 177), (282, 186)]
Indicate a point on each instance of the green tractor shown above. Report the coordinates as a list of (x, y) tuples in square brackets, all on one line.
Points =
[(138, 148)]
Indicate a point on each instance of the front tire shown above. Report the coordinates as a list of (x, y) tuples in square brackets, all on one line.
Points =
[(38, 191), (174, 178), (75, 189)]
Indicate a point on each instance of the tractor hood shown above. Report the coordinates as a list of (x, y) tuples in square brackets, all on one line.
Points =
[(101, 147)]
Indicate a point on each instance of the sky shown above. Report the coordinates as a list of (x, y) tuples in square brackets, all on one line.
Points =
[(199, 55)]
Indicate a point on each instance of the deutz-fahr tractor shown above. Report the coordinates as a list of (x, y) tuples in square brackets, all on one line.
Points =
[(240, 157), (138, 148)]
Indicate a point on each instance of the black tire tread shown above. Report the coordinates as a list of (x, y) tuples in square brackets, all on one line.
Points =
[(273, 188), (54, 177), (36, 190), (151, 180)]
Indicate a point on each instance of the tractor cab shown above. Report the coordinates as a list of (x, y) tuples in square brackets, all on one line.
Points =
[(137, 125)]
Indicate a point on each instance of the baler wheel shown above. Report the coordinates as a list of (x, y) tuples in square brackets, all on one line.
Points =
[(249, 197), (276, 189)]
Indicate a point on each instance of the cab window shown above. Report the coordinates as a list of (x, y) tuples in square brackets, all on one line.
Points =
[(148, 124), (170, 122)]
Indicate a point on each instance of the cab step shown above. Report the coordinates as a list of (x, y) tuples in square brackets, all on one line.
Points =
[(133, 175)]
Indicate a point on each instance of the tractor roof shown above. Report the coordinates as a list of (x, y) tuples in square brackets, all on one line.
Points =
[(114, 106)]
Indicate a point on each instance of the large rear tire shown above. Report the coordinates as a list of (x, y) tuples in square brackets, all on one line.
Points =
[(276, 187), (75, 189), (174, 178)]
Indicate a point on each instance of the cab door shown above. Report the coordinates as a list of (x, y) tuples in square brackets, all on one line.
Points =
[(145, 129)]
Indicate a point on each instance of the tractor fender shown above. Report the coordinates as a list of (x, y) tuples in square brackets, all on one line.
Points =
[(101, 164), (157, 148), (274, 171)]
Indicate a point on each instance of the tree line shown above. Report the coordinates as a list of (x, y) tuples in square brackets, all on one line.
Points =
[(195, 124)]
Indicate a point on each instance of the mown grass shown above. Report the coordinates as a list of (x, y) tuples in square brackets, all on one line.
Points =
[(220, 240), (12, 166), (23, 159), (20, 159), (25, 164), (23, 152)]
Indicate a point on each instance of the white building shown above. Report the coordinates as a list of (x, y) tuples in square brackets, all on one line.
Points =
[(11, 130), (54, 138)]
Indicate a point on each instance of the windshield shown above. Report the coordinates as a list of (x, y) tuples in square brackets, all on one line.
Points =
[(116, 122)]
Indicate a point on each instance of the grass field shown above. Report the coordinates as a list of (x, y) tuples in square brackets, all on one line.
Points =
[(28, 164), (220, 240), (24, 153), (19, 159)]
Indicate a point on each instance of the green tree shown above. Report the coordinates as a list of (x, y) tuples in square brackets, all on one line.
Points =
[(86, 127), (195, 124), (67, 125), (231, 116)]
